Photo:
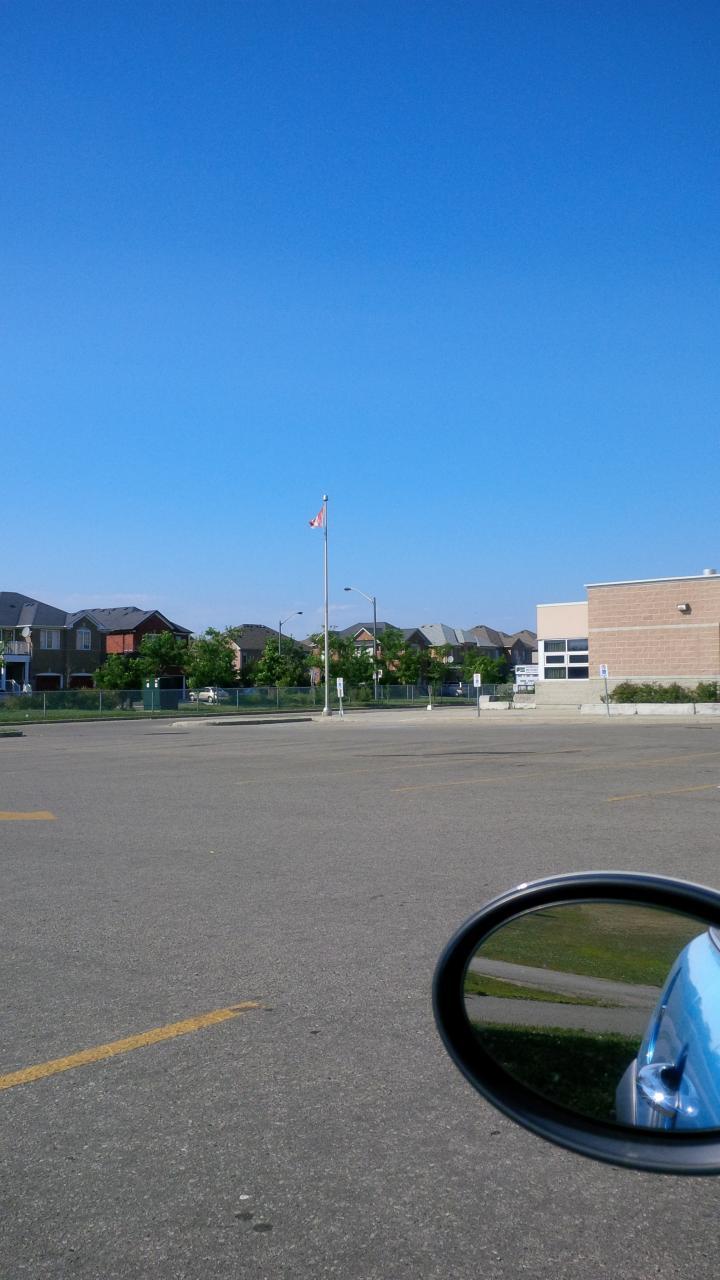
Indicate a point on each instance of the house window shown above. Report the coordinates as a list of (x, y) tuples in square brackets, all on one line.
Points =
[(49, 639), (554, 646), (84, 638)]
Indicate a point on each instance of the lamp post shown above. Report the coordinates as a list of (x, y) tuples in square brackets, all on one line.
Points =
[(373, 602), (281, 624)]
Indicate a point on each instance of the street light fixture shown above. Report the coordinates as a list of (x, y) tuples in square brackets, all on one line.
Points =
[(281, 624), (373, 602)]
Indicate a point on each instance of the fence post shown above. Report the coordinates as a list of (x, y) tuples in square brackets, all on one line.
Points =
[(100, 702), (44, 707), (237, 699)]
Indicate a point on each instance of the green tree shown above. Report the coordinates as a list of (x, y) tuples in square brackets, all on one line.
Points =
[(211, 660), (407, 668), (432, 667), (357, 668), (492, 670), (120, 672), (161, 654), (289, 668), (392, 647)]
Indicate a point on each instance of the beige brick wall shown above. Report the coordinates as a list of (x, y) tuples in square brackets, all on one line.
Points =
[(637, 630)]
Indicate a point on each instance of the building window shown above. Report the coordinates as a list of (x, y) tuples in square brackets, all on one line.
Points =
[(555, 673), (556, 659), (578, 673), (577, 646), (84, 638), (554, 646), (578, 657), (49, 639)]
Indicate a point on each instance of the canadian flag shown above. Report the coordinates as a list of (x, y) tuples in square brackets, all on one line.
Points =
[(318, 521)]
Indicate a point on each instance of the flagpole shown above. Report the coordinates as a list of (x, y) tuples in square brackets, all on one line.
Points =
[(326, 708)]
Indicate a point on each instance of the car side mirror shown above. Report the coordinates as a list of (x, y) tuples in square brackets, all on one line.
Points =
[(587, 1008)]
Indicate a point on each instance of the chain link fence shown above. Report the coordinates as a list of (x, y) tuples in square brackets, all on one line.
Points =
[(79, 704)]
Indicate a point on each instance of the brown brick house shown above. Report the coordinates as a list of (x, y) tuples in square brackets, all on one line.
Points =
[(47, 648)]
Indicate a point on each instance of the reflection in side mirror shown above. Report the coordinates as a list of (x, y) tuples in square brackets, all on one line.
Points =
[(587, 1003), (588, 1008)]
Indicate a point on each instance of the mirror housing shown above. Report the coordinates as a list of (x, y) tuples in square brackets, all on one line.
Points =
[(657, 1151)]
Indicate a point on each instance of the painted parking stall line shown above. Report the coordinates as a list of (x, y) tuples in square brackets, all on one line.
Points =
[(33, 815), (99, 1052)]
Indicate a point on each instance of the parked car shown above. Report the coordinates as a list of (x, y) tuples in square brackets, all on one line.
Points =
[(209, 694), (454, 690)]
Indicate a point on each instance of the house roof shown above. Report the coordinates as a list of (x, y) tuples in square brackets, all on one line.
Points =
[(526, 637), (254, 635), (488, 637), (438, 633), (22, 611), (414, 635), (125, 618), (365, 626)]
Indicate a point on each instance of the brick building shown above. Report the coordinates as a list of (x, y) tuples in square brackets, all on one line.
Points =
[(664, 629)]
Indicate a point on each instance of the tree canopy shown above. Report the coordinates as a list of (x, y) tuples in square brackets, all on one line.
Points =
[(162, 654), (492, 670), (211, 660), (289, 668)]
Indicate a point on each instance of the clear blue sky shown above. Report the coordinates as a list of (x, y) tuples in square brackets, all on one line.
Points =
[(455, 263)]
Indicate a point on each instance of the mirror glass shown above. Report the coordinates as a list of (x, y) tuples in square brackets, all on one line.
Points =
[(610, 1009)]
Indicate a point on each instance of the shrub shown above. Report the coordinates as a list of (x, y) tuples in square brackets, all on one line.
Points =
[(629, 692), (676, 693), (708, 691)]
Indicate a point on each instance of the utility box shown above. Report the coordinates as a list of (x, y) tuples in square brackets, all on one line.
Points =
[(161, 696)]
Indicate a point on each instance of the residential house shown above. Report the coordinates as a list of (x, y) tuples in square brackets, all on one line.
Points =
[(249, 641), (48, 648), (520, 647), (490, 642), (125, 627), (362, 634)]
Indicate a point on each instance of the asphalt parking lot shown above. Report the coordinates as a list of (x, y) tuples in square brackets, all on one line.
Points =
[(309, 873)]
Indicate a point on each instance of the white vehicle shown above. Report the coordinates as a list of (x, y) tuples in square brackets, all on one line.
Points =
[(209, 694)]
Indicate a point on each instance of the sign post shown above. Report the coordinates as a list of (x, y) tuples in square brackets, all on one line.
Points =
[(604, 676), (477, 682), (340, 692)]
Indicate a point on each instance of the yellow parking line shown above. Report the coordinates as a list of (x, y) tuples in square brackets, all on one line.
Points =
[(673, 791), (35, 815), (43, 1069)]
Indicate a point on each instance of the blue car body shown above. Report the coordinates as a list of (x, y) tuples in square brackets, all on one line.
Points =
[(674, 1083)]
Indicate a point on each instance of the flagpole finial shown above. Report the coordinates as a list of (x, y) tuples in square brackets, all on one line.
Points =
[(325, 497)]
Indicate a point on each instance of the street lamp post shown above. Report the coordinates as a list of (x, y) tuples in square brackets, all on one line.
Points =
[(373, 602), (281, 624)]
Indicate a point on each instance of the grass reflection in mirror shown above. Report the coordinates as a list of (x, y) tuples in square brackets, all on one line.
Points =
[(578, 1070), (561, 997), (618, 941)]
